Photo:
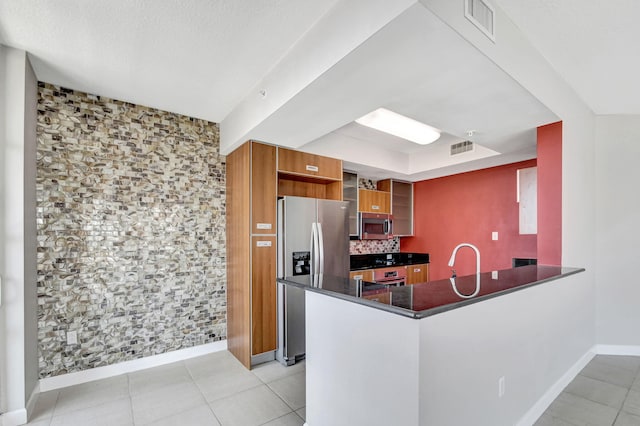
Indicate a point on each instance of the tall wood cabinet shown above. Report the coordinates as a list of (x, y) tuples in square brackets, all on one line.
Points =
[(257, 174), (251, 251)]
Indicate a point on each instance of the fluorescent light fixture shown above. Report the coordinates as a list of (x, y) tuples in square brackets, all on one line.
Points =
[(400, 126)]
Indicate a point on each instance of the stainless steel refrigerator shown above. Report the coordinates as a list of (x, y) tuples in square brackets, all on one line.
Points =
[(313, 240)]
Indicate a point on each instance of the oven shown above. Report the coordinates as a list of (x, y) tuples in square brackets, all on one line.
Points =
[(396, 276)]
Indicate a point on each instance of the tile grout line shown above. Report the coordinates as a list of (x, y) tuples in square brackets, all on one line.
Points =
[(133, 419), (282, 399), (53, 409), (284, 415), (619, 410), (207, 403), (598, 402)]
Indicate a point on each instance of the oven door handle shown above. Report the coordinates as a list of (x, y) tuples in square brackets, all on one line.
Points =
[(398, 282)]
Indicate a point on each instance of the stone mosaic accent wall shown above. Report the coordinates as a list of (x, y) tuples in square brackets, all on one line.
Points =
[(374, 246), (131, 231)]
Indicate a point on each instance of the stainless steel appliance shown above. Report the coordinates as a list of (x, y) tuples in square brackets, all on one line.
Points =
[(375, 226), (313, 239), (390, 276)]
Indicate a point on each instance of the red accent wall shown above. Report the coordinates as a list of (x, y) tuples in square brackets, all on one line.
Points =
[(550, 194), (467, 207)]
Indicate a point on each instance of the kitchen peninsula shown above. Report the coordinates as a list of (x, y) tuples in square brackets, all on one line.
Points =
[(432, 355)]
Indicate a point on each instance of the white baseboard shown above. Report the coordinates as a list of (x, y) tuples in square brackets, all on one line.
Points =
[(618, 350), (14, 418), (33, 399), (19, 417), (552, 393), (57, 382)]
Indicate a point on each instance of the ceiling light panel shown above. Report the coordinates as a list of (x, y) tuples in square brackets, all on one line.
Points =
[(398, 125)]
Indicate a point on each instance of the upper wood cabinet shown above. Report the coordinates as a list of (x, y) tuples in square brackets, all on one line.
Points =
[(302, 163), (263, 188), (307, 175), (401, 205), (417, 273), (374, 201)]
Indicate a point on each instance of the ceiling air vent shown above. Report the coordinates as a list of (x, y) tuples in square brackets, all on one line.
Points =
[(460, 147), (482, 15)]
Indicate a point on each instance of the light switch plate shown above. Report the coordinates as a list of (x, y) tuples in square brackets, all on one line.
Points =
[(72, 337), (494, 236)]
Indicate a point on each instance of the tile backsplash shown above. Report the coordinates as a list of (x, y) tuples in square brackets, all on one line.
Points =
[(374, 246), (364, 183), (131, 231)]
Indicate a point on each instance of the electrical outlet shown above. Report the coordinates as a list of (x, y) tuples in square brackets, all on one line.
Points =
[(501, 388), (494, 236), (494, 275), (72, 337)]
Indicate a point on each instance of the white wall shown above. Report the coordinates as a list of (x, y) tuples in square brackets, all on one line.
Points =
[(18, 348), (444, 370), (3, 322), (525, 337), (30, 232), (362, 364), (618, 229), (516, 56)]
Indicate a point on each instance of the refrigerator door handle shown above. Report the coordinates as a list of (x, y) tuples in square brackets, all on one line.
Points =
[(312, 255), (320, 249)]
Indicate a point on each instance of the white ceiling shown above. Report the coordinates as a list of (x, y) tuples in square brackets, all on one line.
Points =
[(592, 44), (210, 59), (194, 57)]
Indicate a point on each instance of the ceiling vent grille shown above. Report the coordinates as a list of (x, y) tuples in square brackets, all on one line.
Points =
[(460, 147), (482, 15)]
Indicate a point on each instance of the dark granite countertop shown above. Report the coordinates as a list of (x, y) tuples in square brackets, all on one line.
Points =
[(433, 297), (383, 260)]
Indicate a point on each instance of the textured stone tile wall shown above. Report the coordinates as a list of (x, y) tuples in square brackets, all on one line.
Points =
[(131, 231)]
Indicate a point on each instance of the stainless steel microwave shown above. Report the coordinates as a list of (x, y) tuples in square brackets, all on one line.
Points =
[(375, 226)]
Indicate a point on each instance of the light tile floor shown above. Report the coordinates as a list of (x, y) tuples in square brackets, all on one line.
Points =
[(209, 390), (605, 393), (217, 390)]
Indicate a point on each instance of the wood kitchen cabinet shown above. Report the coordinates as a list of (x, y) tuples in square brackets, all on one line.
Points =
[(251, 251), (256, 174), (401, 205), (308, 175), (302, 163), (263, 294), (381, 296), (372, 201), (417, 273), (364, 275)]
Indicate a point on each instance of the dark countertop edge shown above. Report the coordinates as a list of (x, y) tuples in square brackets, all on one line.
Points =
[(366, 268), (428, 312), (354, 299), (420, 258)]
